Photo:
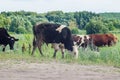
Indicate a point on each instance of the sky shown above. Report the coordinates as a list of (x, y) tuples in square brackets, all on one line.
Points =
[(43, 6)]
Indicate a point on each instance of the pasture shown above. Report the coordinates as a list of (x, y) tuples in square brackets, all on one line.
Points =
[(17, 65), (107, 55)]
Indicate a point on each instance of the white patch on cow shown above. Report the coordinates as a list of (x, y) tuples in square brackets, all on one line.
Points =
[(82, 40), (75, 51), (88, 37), (55, 46), (58, 46), (75, 43), (59, 29)]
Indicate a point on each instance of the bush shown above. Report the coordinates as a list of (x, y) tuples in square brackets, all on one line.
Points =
[(21, 30), (75, 31), (96, 26)]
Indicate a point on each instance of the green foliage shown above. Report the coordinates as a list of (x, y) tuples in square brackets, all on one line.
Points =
[(82, 18), (110, 16), (96, 26), (22, 20), (55, 16), (75, 31), (60, 17), (4, 21), (112, 19), (116, 24), (21, 30)]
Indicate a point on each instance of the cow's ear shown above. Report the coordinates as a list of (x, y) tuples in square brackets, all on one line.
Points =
[(16, 39)]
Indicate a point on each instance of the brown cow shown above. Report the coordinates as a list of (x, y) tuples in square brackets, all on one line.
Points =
[(103, 39)]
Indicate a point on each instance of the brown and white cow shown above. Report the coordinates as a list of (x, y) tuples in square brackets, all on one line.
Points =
[(52, 33)]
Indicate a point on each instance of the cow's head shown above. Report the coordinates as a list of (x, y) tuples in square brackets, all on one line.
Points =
[(73, 50), (11, 41), (115, 39)]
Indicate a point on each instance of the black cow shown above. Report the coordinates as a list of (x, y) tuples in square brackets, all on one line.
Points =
[(6, 39), (52, 33)]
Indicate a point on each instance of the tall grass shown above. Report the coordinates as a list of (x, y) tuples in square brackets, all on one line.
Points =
[(107, 55)]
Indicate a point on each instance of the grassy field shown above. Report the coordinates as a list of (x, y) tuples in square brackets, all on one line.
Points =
[(106, 56)]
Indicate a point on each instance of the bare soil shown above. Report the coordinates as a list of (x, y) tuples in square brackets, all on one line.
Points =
[(21, 70)]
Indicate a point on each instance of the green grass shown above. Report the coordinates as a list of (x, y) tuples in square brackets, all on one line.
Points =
[(106, 56)]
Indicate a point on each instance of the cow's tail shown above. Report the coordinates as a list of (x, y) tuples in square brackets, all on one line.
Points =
[(34, 36), (34, 32), (34, 41)]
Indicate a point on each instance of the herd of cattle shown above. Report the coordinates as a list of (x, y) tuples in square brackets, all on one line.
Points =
[(61, 38)]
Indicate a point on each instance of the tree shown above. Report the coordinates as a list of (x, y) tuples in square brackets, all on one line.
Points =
[(15, 23), (21, 30), (73, 28), (55, 16), (96, 26), (4, 21), (82, 18)]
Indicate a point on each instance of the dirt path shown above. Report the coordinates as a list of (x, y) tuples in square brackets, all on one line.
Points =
[(56, 71)]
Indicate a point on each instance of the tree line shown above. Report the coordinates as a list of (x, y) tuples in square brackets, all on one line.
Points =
[(22, 21)]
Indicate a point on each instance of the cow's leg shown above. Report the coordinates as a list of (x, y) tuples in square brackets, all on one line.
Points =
[(54, 55), (39, 47), (39, 43), (62, 50), (95, 48), (56, 48), (34, 46), (3, 48)]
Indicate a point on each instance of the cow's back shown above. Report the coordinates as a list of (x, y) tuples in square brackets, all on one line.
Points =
[(99, 39), (3, 33), (47, 31)]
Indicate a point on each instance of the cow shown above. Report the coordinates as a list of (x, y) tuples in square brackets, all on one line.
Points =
[(103, 39), (53, 33), (6, 39)]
